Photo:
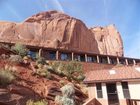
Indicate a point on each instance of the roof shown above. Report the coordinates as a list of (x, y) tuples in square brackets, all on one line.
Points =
[(113, 74)]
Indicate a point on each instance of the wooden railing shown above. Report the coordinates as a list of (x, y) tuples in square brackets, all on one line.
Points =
[(133, 101), (92, 101)]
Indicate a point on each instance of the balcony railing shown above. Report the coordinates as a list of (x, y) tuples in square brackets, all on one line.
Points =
[(133, 101), (67, 55)]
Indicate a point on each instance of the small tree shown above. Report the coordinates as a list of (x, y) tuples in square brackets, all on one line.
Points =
[(20, 49), (71, 69), (6, 77), (68, 95)]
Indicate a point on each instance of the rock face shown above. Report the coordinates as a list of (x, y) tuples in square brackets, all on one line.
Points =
[(32, 87), (109, 40), (57, 30)]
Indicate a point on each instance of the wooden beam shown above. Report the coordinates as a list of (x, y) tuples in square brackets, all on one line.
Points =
[(98, 61), (126, 61), (72, 56), (57, 55), (108, 59), (134, 62), (86, 58), (40, 52), (118, 62)]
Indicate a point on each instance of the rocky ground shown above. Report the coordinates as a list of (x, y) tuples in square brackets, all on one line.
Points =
[(28, 86)]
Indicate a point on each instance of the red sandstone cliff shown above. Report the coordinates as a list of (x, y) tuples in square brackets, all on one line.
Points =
[(58, 30), (109, 40)]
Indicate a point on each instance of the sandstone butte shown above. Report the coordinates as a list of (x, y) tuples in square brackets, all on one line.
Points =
[(54, 29)]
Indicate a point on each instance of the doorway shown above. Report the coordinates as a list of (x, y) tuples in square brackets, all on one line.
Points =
[(112, 94)]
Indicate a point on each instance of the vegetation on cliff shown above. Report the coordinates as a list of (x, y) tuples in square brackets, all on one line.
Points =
[(39, 81)]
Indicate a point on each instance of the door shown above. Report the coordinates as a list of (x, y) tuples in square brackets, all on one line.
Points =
[(112, 94)]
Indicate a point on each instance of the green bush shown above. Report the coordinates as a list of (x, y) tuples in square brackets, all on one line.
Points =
[(41, 102), (20, 49), (42, 71), (41, 60), (67, 98), (6, 77), (71, 68), (58, 100), (68, 90), (45, 74), (62, 82), (64, 101), (55, 68), (67, 101), (55, 65), (80, 78)]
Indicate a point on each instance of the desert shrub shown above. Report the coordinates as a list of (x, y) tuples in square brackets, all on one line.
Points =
[(70, 69), (45, 74), (41, 102), (67, 101), (16, 59), (58, 100), (41, 60), (64, 101), (67, 98), (62, 82), (80, 77), (43, 71), (6, 77), (20, 49), (68, 90), (55, 65)]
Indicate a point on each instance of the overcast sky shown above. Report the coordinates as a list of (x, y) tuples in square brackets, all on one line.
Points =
[(125, 14)]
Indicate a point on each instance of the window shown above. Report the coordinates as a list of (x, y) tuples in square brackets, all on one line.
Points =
[(52, 55), (137, 61), (32, 54), (103, 59), (113, 60), (65, 56), (122, 61), (130, 61), (91, 59), (79, 57), (99, 90), (125, 90)]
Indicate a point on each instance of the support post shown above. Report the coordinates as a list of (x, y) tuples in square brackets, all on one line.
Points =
[(98, 61), (57, 55), (118, 62), (126, 61), (134, 62), (72, 56), (86, 58), (108, 59), (40, 52)]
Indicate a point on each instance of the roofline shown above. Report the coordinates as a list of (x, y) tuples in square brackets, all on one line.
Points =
[(111, 80)]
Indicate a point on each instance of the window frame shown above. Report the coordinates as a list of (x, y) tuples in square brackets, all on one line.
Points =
[(99, 90), (125, 88)]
